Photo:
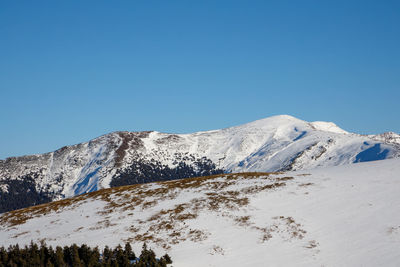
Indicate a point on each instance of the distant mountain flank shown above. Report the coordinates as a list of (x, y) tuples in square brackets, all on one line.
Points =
[(121, 158)]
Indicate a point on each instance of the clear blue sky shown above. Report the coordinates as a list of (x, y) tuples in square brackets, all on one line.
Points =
[(73, 70)]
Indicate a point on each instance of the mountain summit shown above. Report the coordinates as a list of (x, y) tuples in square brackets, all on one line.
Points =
[(276, 143)]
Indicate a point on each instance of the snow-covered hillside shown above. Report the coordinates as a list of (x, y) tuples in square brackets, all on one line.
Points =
[(273, 144), (337, 216)]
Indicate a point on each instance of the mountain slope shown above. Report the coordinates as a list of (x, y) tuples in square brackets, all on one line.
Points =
[(338, 216), (120, 158)]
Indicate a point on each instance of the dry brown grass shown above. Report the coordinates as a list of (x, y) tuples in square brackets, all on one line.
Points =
[(217, 250), (197, 235), (20, 234), (148, 204), (243, 220), (78, 229), (306, 184), (293, 228), (258, 188), (287, 178), (285, 227)]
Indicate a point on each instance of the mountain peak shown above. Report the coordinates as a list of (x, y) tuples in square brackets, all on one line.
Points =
[(274, 122), (281, 118), (327, 127)]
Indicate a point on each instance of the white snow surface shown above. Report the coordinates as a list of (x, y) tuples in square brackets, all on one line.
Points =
[(336, 216), (327, 126)]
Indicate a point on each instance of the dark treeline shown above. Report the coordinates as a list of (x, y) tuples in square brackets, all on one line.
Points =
[(21, 193), (79, 256), (141, 172)]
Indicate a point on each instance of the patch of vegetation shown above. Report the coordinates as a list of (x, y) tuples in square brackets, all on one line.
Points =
[(305, 184), (217, 250), (286, 178), (258, 188), (243, 220), (197, 235), (285, 227)]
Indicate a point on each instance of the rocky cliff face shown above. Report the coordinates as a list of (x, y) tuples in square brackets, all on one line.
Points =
[(121, 158)]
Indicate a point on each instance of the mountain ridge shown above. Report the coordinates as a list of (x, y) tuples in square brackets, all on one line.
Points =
[(275, 143)]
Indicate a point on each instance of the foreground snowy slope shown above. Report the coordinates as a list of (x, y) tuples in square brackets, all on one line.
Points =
[(277, 143), (337, 216)]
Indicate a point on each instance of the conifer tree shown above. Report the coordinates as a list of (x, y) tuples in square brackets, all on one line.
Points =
[(94, 258), (67, 256), (35, 256), (147, 257), (167, 259), (107, 256), (76, 261), (129, 252), (59, 257)]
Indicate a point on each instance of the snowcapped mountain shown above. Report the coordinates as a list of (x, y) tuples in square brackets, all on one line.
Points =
[(337, 216), (276, 143)]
